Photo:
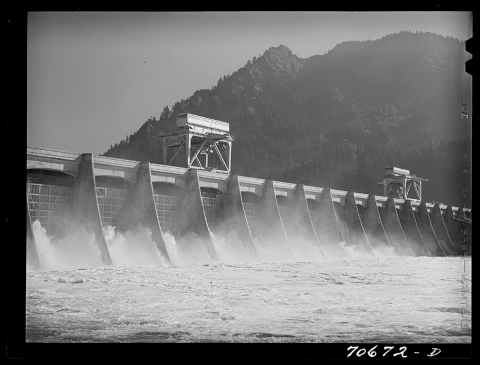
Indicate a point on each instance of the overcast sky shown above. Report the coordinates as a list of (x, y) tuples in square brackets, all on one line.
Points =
[(94, 78)]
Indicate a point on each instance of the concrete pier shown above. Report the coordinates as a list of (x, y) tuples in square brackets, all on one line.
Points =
[(427, 232), (296, 221), (412, 233), (85, 205), (305, 228), (273, 235), (355, 232), (460, 231), (192, 216), (33, 259), (342, 225), (373, 227), (140, 209), (441, 231), (235, 218), (393, 229), (328, 229)]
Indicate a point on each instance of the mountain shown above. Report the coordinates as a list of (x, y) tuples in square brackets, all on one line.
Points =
[(336, 120)]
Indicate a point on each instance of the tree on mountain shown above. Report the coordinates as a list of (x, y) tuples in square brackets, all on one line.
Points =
[(165, 114), (363, 106)]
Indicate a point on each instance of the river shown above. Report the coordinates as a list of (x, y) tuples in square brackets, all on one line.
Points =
[(378, 299)]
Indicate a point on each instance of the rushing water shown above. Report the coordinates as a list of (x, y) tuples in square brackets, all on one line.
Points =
[(381, 299)]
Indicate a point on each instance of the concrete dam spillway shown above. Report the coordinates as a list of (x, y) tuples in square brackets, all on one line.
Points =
[(194, 194)]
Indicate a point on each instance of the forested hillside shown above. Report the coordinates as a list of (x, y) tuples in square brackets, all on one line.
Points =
[(336, 120)]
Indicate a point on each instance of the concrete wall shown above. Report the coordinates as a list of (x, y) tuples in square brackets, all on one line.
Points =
[(272, 233), (235, 218), (412, 233), (339, 216), (393, 229), (441, 232), (460, 232), (32, 254), (305, 229), (373, 227), (427, 232), (85, 205), (140, 209), (327, 227), (192, 214), (296, 221), (354, 227)]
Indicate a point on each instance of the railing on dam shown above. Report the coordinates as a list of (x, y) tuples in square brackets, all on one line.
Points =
[(173, 199)]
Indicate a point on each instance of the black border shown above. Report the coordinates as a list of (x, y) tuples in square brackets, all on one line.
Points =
[(14, 295)]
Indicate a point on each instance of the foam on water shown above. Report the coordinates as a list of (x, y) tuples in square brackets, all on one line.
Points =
[(380, 299), (278, 297)]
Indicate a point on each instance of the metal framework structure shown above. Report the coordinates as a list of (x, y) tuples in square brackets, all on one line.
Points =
[(397, 183), (200, 143)]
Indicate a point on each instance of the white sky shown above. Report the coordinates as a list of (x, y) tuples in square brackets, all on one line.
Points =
[(94, 78)]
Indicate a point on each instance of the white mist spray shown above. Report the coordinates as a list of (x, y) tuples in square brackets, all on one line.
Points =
[(76, 250), (230, 248), (384, 251), (270, 252), (132, 248), (172, 249), (186, 250)]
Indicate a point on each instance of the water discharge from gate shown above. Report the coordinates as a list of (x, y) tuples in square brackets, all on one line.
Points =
[(77, 249)]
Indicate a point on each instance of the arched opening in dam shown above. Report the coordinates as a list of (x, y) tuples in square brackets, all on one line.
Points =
[(285, 209), (167, 199), (112, 195), (251, 203), (213, 205), (313, 208), (49, 196), (62, 240)]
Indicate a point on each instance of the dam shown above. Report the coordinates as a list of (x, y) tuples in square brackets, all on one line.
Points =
[(194, 192)]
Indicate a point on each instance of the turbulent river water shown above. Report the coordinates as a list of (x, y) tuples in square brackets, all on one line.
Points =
[(141, 299)]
